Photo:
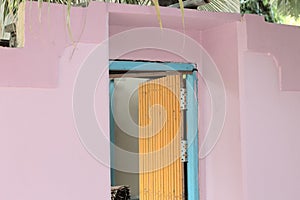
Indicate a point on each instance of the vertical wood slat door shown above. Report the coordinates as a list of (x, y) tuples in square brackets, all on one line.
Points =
[(160, 167)]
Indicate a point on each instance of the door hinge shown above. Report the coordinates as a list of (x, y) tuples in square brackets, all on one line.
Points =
[(183, 151), (183, 103)]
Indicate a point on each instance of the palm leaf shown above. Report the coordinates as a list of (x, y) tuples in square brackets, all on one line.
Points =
[(287, 7), (222, 6)]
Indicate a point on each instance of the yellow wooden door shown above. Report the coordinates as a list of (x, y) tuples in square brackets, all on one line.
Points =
[(160, 167)]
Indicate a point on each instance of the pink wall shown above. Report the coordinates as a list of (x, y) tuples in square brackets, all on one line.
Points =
[(282, 42), (270, 127), (36, 65), (269, 104), (42, 156), (223, 165)]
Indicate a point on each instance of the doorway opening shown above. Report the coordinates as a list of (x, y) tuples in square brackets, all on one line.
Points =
[(153, 130)]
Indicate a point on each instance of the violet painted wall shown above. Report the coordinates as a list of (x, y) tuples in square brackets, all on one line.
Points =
[(42, 156)]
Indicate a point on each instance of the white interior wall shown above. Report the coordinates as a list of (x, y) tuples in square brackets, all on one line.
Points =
[(125, 107)]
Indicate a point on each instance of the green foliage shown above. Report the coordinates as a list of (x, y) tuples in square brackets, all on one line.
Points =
[(260, 7), (288, 7), (279, 11)]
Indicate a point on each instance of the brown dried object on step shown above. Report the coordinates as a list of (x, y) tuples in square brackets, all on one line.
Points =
[(120, 192)]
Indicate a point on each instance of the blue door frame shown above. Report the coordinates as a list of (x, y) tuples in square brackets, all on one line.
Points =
[(192, 113)]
